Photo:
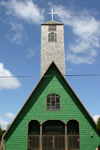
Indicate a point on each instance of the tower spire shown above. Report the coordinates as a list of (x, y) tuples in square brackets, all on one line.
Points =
[(52, 45), (52, 13)]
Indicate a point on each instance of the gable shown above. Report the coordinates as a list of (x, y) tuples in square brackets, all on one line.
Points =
[(35, 106)]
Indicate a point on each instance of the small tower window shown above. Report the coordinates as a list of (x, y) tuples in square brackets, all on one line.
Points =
[(53, 102), (52, 28), (52, 37)]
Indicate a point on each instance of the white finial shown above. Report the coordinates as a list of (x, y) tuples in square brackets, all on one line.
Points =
[(52, 13)]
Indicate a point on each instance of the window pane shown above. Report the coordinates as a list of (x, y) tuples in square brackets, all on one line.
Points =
[(57, 100), (48, 106), (48, 100), (47, 127), (55, 127), (55, 37), (52, 37), (57, 106), (53, 107), (51, 127), (53, 103), (53, 98), (59, 127)]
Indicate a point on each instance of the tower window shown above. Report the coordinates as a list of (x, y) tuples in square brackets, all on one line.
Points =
[(53, 102), (52, 28), (52, 37)]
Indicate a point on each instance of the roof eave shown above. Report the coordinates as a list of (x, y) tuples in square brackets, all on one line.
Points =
[(52, 22)]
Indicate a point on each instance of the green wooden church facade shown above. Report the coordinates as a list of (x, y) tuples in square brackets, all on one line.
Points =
[(53, 117)]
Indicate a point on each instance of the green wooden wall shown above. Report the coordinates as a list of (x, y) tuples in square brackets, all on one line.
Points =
[(35, 108)]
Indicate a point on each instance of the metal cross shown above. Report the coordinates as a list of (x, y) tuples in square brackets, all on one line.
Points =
[(52, 13)]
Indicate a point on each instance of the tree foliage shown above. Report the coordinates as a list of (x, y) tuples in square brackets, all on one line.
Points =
[(0, 133), (8, 126), (98, 124)]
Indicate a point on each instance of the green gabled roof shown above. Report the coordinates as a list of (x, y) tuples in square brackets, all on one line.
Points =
[(51, 73), (52, 22)]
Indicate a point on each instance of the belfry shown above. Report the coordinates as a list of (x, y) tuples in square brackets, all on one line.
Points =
[(52, 45)]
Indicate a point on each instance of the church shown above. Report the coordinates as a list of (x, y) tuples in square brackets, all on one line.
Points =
[(53, 117)]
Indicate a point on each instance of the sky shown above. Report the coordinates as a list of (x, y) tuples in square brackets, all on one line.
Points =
[(20, 51)]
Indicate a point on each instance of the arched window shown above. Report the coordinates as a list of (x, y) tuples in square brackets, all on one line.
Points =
[(73, 135), (53, 135), (33, 135), (53, 102), (52, 37)]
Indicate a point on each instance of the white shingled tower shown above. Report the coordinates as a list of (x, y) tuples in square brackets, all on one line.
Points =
[(52, 45)]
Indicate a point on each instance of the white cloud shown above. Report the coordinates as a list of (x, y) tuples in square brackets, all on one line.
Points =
[(16, 26), (30, 53), (10, 115), (3, 123), (16, 37), (86, 34), (73, 58), (26, 10), (70, 69), (96, 117), (7, 83)]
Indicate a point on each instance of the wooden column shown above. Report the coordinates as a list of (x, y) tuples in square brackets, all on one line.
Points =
[(66, 145), (40, 137)]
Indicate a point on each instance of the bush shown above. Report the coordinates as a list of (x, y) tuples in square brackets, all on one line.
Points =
[(98, 124)]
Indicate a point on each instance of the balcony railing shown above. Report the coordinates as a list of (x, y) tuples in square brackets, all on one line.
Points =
[(53, 142), (73, 142), (33, 142)]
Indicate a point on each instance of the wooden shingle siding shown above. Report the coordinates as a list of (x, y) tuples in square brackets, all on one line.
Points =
[(35, 109)]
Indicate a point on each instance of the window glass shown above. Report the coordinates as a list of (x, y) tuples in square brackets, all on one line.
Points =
[(55, 127), (57, 100), (48, 100), (57, 106), (52, 107), (53, 98), (52, 37), (55, 37), (53, 103), (47, 127), (51, 127), (59, 127), (48, 106)]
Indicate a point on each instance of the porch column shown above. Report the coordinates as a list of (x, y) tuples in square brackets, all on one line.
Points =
[(40, 137), (66, 146)]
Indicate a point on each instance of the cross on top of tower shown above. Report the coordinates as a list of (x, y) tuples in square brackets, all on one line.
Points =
[(52, 13)]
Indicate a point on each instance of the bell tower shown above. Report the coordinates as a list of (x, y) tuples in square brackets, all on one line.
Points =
[(52, 45)]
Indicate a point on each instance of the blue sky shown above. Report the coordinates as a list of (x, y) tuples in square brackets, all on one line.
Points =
[(20, 49)]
